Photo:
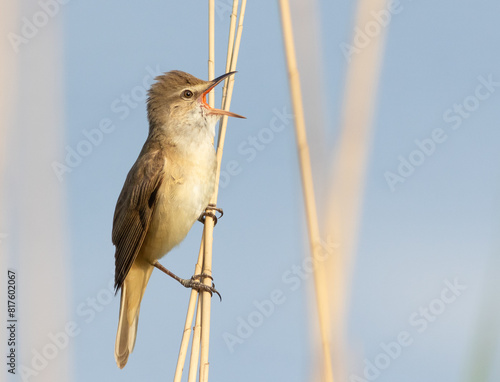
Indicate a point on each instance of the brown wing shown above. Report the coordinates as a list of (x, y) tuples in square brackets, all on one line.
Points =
[(135, 208)]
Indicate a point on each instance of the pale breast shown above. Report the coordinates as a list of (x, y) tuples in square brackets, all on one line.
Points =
[(184, 194)]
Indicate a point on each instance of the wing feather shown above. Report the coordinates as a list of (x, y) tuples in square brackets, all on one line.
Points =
[(135, 207)]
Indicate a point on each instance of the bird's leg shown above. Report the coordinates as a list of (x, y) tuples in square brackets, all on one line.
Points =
[(208, 212), (191, 283)]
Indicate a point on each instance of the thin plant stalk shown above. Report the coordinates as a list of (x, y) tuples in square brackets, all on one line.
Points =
[(206, 301), (203, 264), (189, 320), (239, 32), (349, 172), (308, 189), (206, 298), (195, 347), (211, 47), (228, 96), (230, 45), (209, 223)]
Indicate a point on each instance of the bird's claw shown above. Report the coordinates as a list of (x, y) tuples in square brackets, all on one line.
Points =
[(208, 212), (199, 286)]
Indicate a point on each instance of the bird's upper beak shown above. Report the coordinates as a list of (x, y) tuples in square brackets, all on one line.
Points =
[(213, 84)]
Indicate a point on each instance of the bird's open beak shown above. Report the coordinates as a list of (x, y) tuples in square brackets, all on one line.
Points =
[(217, 111)]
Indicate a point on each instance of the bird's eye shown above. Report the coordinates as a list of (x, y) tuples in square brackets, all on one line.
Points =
[(187, 94)]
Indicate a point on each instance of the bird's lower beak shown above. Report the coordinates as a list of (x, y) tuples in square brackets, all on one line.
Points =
[(217, 111)]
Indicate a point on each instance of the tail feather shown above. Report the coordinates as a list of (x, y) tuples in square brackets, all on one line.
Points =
[(130, 303)]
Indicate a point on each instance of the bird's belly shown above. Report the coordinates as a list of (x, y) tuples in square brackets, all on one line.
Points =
[(181, 200)]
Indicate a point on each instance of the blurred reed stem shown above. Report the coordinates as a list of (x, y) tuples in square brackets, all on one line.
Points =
[(320, 284)]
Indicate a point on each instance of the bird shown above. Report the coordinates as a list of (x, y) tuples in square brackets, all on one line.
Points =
[(166, 191)]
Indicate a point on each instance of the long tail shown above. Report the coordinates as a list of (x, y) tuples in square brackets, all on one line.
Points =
[(131, 295)]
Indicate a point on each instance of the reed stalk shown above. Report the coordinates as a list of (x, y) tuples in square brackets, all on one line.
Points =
[(195, 347), (349, 173), (189, 320), (209, 223), (201, 333), (320, 285), (206, 297)]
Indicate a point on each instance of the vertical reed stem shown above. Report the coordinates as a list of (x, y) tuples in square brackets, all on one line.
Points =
[(308, 189)]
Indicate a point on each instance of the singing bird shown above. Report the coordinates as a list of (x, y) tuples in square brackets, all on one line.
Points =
[(165, 192)]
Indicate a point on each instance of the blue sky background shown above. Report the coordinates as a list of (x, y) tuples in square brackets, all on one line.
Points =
[(440, 225)]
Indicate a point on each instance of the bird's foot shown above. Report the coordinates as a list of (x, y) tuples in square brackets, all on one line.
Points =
[(191, 283), (199, 286), (208, 212)]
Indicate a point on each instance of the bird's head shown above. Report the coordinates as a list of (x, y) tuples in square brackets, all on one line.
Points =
[(180, 97)]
